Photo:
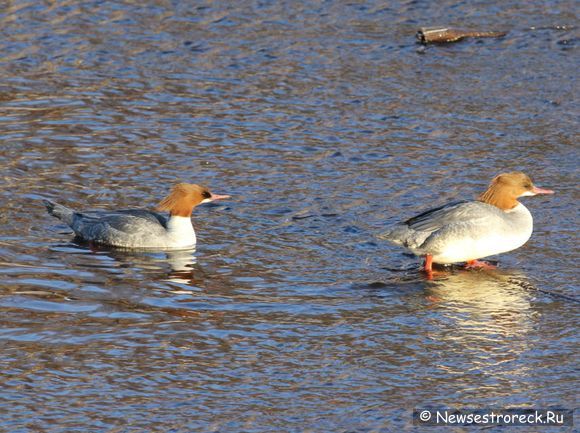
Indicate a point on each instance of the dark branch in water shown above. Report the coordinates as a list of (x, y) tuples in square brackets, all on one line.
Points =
[(442, 35), (531, 287)]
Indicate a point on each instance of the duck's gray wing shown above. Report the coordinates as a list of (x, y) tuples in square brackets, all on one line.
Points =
[(153, 217), (102, 225), (413, 232), (451, 213)]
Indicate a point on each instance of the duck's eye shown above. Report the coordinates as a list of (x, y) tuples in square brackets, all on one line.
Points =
[(528, 186), (206, 194)]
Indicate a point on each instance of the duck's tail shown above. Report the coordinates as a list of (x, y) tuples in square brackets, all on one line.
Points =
[(402, 234), (394, 235), (59, 211)]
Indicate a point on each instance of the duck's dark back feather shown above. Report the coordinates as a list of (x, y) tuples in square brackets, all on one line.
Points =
[(146, 214), (124, 220), (434, 219)]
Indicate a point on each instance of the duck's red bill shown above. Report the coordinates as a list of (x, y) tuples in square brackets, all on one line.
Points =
[(219, 197), (537, 190)]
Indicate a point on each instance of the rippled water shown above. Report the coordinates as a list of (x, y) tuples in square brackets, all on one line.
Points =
[(326, 122)]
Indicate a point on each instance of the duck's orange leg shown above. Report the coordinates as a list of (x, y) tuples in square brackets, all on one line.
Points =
[(428, 266), (476, 264)]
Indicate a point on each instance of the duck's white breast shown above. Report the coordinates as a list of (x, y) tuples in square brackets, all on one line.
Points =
[(506, 232)]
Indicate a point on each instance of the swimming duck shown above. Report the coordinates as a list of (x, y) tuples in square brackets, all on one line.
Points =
[(141, 228)]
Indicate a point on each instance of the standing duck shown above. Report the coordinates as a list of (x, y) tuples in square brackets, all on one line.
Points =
[(141, 228), (466, 231)]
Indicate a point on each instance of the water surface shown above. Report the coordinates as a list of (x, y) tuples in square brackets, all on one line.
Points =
[(325, 122)]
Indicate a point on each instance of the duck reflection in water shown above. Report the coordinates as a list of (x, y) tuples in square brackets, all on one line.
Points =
[(182, 266), (174, 266), (179, 266), (481, 329), (484, 316)]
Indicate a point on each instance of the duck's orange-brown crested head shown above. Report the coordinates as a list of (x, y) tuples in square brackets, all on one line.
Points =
[(506, 188), (185, 196)]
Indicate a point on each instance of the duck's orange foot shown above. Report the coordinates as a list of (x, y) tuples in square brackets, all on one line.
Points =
[(477, 264), (434, 273)]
